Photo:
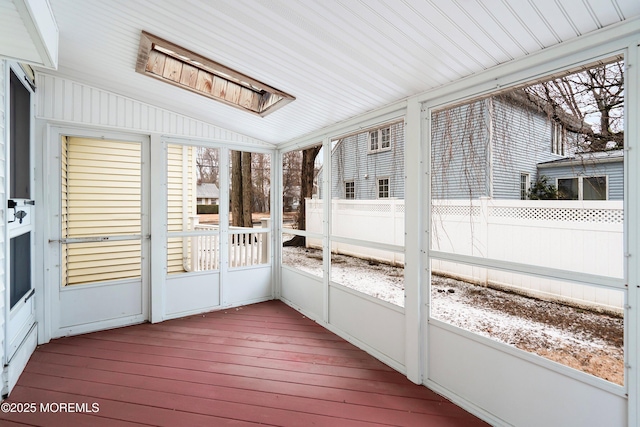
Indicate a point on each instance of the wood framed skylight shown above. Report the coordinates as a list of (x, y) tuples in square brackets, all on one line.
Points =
[(180, 67)]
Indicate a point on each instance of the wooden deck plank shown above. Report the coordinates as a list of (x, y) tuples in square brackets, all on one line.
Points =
[(181, 352), (260, 364), (435, 405), (310, 366), (248, 397)]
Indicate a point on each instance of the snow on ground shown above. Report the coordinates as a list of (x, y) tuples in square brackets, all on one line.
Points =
[(583, 340), (369, 277)]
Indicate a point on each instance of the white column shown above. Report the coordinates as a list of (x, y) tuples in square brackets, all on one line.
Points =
[(632, 214), (413, 277), (158, 226)]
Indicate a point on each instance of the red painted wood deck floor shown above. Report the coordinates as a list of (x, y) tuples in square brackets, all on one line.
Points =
[(259, 364)]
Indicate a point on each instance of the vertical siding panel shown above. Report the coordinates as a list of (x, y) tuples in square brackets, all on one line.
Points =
[(157, 115), (144, 117), (77, 102), (85, 106), (136, 119), (128, 114), (121, 113), (95, 107), (67, 100), (112, 113), (58, 93), (104, 108)]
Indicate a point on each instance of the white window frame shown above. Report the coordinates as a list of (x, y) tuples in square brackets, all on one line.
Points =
[(581, 184), (353, 192), (377, 141), (557, 138), (524, 190), (378, 181)]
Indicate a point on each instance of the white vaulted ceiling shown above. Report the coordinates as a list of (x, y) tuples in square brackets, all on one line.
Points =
[(339, 58)]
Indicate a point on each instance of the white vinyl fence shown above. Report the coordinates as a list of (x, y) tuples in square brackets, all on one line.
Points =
[(380, 221), (581, 236)]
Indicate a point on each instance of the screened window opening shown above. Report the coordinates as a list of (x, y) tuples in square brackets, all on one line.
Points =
[(367, 228), (193, 202), (532, 177), (302, 210), (250, 211)]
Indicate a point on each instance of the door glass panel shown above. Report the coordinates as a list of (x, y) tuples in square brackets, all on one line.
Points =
[(101, 202), (20, 260), (20, 137)]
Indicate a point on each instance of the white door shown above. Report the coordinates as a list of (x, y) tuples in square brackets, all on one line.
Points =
[(103, 234), (20, 212)]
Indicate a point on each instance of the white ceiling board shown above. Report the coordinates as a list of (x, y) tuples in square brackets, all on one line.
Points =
[(339, 58)]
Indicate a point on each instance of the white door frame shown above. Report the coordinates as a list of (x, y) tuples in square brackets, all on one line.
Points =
[(52, 191)]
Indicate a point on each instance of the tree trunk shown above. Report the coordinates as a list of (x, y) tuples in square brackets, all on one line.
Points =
[(236, 188), (306, 191), (247, 193)]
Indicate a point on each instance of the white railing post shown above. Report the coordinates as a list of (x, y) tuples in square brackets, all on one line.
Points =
[(264, 240), (483, 236), (195, 247)]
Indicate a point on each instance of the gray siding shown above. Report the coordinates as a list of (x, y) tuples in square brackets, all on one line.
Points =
[(352, 161), (460, 152), (521, 139), (614, 171)]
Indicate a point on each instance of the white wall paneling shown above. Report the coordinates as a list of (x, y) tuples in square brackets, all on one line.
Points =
[(373, 325), (191, 293), (516, 390), (302, 291), (64, 100)]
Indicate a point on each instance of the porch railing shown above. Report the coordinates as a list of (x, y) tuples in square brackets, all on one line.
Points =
[(247, 247)]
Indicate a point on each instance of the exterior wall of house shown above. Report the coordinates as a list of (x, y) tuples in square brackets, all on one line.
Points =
[(3, 170), (482, 148), (613, 170), (352, 161), (181, 204), (460, 152), (521, 139)]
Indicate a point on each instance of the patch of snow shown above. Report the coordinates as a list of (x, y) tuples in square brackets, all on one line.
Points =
[(591, 342)]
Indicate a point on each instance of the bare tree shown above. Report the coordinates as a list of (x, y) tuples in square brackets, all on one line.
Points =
[(261, 170), (207, 166), (307, 175), (594, 96)]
